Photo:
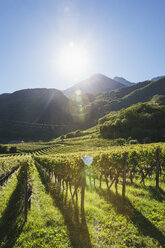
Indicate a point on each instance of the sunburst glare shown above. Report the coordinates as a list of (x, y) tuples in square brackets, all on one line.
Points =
[(73, 60)]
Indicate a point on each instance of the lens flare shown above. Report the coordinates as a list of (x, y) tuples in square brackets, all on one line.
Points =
[(88, 159)]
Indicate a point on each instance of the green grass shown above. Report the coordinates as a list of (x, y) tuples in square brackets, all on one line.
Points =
[(137, 222), (107, 220), (6, 192), (29, 147), (57, 220), (11, 210), (45, 226), (79, 144)]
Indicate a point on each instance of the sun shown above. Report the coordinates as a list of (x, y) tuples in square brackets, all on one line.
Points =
[(73, 60)]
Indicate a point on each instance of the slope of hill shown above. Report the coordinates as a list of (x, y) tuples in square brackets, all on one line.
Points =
[(34, 114), (139, 121), (125, 97), (123, 81), (160, 99), (119, 93), (96, 84), (156, 78), (143, 94)]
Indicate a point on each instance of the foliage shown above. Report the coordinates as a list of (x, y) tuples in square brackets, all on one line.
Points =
[(8, 162), (50, 111), (138, 121), (13, 149), (76, 133), (111, 221), (3, 149), (133, 141), (57, 219)]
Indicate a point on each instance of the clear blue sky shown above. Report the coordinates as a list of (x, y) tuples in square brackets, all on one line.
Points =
[(122, 38)]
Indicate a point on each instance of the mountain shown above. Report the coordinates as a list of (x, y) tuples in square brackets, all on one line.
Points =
[(156, 78), (159, 99), (33, 114), (95, 84), (143, 94), (125, 97), (42, 114), (123, 81), (119, 93)]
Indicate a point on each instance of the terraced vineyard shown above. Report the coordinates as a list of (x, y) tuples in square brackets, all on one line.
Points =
[(90, 195)]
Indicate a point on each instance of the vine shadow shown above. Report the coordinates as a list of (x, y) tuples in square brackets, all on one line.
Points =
[(126, 208), (74, 215), (12, 220), (157, 193)]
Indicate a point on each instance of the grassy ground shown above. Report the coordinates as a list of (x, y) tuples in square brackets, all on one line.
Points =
[(45, 226), (88, 145), (107, 221), (11, 210), (137, 222), (57, 220), (80, 144), (29, 147)]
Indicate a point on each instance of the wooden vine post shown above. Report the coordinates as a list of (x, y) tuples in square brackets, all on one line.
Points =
[(83, 184), (124, 174), (157, 166), (26, 191)]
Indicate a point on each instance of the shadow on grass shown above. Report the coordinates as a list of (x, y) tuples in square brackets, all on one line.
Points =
[(156, 193), (74, 216), (126, 208), (12, 221)]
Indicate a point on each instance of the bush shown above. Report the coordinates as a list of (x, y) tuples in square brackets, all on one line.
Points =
[(13, 149), (69, 135), (3, 149), (133, 141), (77, 133), (120, 141), (138, 121), (129, 138)]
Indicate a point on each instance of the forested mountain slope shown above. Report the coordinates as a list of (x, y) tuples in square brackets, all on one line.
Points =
[(125, 97), (33, 113), (139, 121)]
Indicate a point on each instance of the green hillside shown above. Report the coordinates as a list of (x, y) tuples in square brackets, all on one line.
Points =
[(34, 114), (125, 97), (42, 114), (138, 121)]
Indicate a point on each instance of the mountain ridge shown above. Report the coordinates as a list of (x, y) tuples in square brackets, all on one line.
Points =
[(123, 81), (41, 113), (125, 97), (96, 84), (33, 106)]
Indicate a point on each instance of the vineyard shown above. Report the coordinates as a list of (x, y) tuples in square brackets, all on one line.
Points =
[(65, 194)]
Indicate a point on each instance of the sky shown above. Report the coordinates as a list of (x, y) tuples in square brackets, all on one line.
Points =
[(38, 38)]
